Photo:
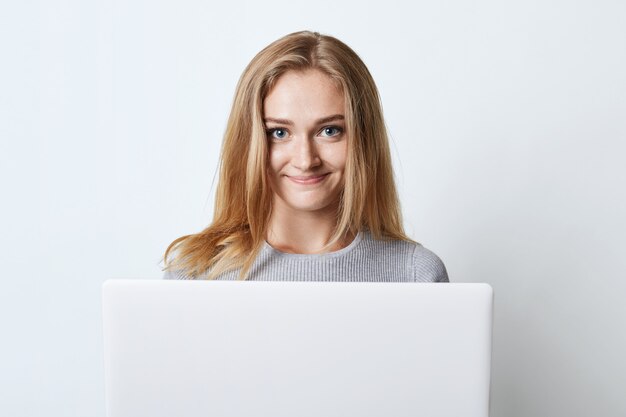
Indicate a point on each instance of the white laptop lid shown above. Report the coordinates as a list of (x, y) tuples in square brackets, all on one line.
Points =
[(287, 349)]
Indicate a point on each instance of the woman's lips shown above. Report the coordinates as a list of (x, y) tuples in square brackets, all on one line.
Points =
[(313, 179)]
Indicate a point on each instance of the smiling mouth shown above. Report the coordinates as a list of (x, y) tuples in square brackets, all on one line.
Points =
[(312, 179)]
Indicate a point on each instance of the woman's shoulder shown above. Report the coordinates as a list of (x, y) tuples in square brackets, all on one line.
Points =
[(424, 264), (174, 274), (173, 269), (427, 266)]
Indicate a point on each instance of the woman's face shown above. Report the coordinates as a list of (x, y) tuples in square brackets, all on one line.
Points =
[(305, 123)]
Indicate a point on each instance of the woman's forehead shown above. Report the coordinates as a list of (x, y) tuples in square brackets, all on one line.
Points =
[(303, 93)]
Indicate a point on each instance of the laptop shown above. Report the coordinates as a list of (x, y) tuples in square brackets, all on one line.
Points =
[(296, 349)]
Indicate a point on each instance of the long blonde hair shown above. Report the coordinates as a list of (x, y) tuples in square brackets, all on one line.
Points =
[(243, 196)]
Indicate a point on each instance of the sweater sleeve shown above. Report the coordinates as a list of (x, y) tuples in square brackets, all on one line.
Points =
[(427, 267)]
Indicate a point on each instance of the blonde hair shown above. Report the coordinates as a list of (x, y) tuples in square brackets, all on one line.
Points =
[(243, 197)]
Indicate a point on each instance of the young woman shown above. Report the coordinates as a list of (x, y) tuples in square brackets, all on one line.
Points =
[(306, 189)]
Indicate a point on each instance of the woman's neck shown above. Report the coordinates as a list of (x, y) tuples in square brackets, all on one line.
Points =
[(302, 232)]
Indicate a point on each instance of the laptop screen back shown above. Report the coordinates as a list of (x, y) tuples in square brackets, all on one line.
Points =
[(285, 349)]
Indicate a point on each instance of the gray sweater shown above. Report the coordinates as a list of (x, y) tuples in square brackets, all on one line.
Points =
[(364, 260)]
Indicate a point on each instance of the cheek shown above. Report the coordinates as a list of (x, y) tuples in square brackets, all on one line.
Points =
[(343, 156), (337, 156), (274, 163)]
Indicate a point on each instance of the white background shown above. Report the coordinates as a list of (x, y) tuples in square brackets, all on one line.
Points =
[(508, 122)]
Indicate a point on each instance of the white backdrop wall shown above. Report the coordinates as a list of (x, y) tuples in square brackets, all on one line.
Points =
[(508, 128)]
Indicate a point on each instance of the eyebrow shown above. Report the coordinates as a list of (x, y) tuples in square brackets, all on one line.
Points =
[(320, 121)]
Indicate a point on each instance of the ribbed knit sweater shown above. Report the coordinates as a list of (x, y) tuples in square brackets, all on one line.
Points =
[(365, 259)]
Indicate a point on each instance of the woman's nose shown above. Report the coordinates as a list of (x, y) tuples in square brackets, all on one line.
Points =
[(305, 154)]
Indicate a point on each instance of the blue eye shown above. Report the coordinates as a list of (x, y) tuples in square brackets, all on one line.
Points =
[(282, 135), (329, 129)]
